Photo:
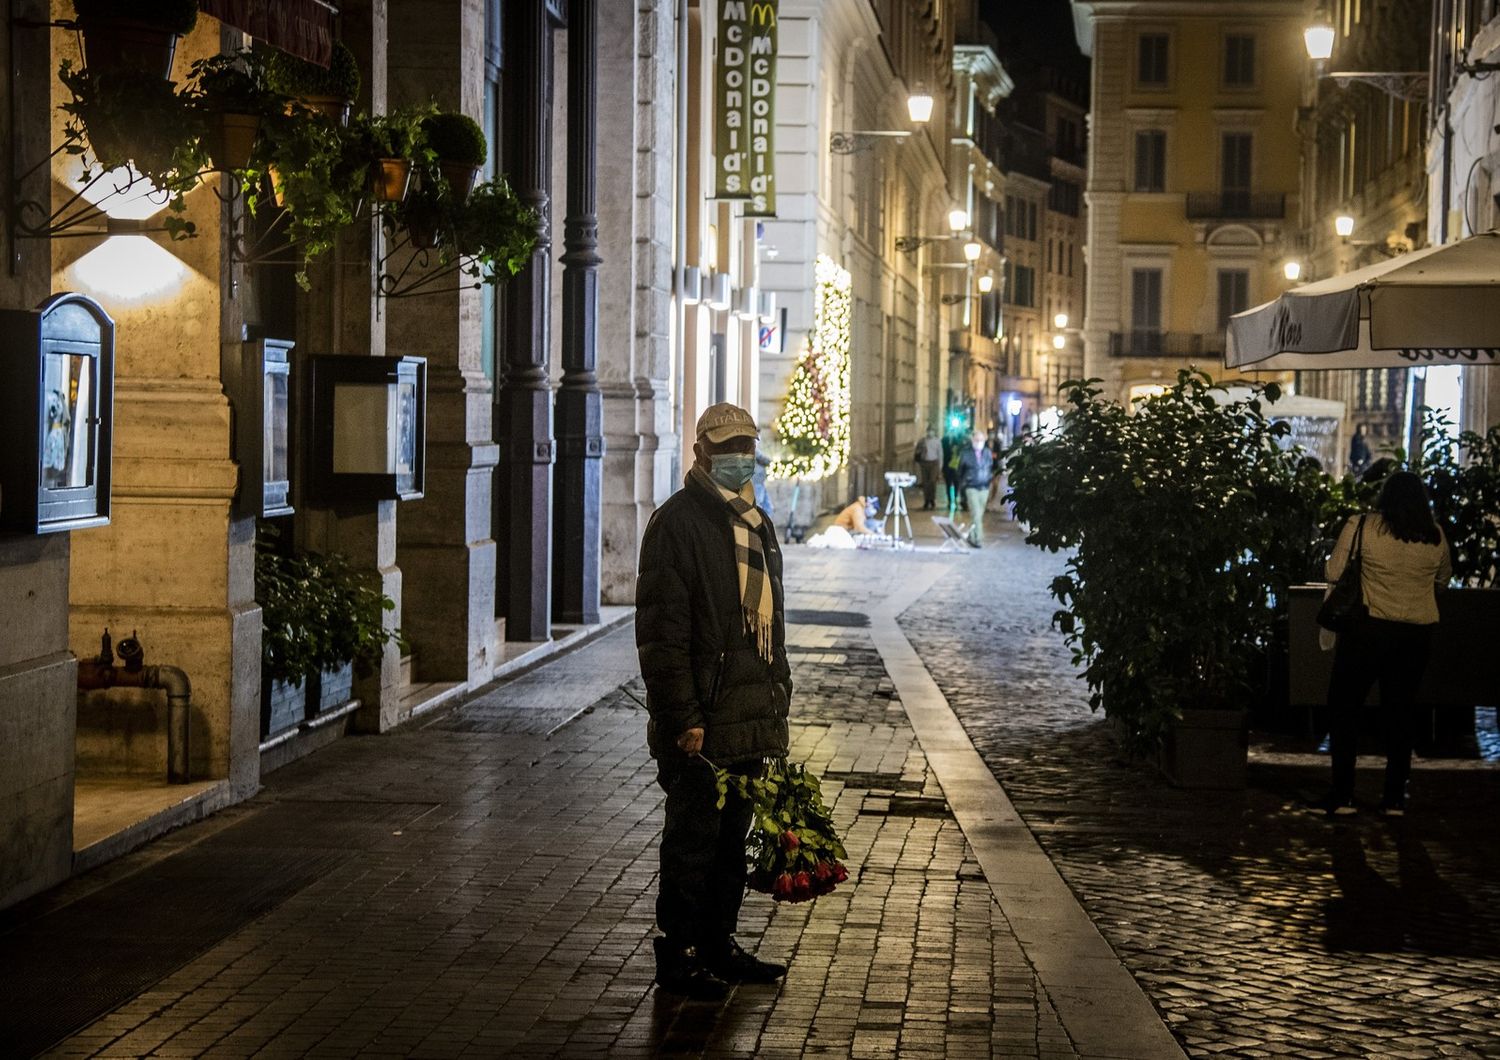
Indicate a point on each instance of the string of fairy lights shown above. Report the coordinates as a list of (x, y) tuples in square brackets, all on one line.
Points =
[(814, 425)]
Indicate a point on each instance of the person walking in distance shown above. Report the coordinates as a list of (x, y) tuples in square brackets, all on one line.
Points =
[(976, 466), (1403, 558), (929, 459), (711, 634)]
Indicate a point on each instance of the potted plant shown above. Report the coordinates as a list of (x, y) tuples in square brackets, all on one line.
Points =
[(329, 92), (139, 36), (322, 620), (235, 99), (460, 147), (1186, 520), (493, 231), (320, 174), (128, 119), (393, 142)]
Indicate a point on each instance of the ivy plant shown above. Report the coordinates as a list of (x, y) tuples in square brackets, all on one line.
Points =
[(1185, 521)]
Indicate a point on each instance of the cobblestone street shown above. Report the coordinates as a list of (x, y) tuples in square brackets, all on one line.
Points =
[(1256, 929)]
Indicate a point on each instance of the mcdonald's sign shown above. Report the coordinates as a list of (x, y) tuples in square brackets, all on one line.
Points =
[(745, 105)]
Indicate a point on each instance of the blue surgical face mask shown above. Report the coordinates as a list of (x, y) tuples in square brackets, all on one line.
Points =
[(732, 470)]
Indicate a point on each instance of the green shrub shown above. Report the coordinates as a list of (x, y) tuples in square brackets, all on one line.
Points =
[(175, 16), (301, 79), (455, 138), (317, 613), (494, 230), (1186, 520)]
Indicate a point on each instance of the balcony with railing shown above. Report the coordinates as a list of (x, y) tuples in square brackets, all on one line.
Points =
[(1235, 205), (1143, 342)]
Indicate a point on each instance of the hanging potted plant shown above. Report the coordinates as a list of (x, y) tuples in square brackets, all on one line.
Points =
[(235, 100), (320, 174), (135, 123), (493, 231), (329, 92), (459, 145), (394, 143), (139, 36)]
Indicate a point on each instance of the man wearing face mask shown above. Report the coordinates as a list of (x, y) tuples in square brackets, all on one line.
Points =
[(711, 634)]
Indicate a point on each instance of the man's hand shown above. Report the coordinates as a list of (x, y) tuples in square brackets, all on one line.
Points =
[(691, 741)]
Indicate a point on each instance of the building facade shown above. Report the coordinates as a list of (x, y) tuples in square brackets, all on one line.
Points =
[(1192, 178)]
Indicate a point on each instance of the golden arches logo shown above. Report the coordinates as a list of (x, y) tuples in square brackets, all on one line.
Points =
[(762, 14)]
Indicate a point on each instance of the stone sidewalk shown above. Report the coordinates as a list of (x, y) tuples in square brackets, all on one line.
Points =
[(482, 885)]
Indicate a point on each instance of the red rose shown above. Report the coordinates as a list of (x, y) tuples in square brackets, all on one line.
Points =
[(802, 884), (822, 871), (789, 840), (782, 888), (840, 874)]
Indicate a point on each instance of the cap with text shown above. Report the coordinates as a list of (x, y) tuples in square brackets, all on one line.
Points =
[(724, 421)]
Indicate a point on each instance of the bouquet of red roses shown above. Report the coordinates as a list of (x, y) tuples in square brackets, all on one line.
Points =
[(793, 849)]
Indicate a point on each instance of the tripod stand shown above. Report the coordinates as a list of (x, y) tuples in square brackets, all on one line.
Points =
[(895, 507)]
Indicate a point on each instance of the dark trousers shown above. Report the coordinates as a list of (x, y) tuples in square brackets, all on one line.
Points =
[(1394, 654), (702, 854), (929, 471)]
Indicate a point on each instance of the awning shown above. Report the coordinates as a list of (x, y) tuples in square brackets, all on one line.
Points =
[(1438, 305), (303, 27)]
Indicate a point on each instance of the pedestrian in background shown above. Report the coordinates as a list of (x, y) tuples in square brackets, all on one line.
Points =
[(758, 479), (929, 458), (976, 467), (711, 633), (1403, 558), (952, 450)]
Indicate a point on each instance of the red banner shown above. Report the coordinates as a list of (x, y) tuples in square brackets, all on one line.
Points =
[(302, 27)]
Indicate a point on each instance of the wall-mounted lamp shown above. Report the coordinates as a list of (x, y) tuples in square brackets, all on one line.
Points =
[(1318, 37), (745, 303), (718, 294), (1059, 341), (958, 219), (972, 250), (1060, 321), (918, 108), (986, 283), (692, 285), (1343, 224), (1292, 270)]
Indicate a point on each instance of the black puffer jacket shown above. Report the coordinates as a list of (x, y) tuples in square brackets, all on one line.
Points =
[(700, 667)]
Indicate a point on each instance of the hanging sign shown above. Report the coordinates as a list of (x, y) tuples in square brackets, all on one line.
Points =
[(745, 103), (303, 27)]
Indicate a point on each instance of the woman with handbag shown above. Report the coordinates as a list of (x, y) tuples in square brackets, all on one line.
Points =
[(1400, 556)]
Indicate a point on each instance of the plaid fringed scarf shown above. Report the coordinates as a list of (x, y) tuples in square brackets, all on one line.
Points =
[(749, 558)]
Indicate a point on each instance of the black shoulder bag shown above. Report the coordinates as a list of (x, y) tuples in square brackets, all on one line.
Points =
[(1344, 605)]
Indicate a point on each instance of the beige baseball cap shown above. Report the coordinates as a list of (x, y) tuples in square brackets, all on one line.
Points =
[(724, 421)]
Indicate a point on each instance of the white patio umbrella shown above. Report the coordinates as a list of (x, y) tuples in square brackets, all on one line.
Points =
[(1438, 305)]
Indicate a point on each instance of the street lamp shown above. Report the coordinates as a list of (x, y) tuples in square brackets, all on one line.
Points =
[(1292, 270), (972, 250), (1060, 321), (1058, 342), (958, 219), (986, 283), (1343, 224), (1318, 37), (918, 108)]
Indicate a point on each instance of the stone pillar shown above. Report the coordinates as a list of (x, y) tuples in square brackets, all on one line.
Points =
[(447, 555), (524, 403), (38, 675), (580, 415), (175, 564), (340, 315)]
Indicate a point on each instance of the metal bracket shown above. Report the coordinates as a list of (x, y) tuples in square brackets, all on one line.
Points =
[(1410, 86), (850, 143)]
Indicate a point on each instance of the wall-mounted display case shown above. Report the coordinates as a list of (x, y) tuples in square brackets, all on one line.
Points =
[(369, 427), (56, 415), (258, 376)]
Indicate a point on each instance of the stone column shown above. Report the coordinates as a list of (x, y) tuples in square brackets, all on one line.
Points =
[(580, 415), (524, 402), (38, 675), (340, 315), (447, 554)]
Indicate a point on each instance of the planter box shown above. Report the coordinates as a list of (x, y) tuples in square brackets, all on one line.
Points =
[(1207, 749), (282, 706), (333, 689), (1464, 667)]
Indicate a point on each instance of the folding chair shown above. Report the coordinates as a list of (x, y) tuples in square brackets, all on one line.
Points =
[(955, 535)]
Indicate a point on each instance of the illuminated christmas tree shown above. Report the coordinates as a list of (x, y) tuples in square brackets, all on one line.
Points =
[(814, 425)]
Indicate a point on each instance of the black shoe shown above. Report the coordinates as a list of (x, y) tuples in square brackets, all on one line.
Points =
[(1334, 805), (680, 971), (1392, 807), (733, 965)]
